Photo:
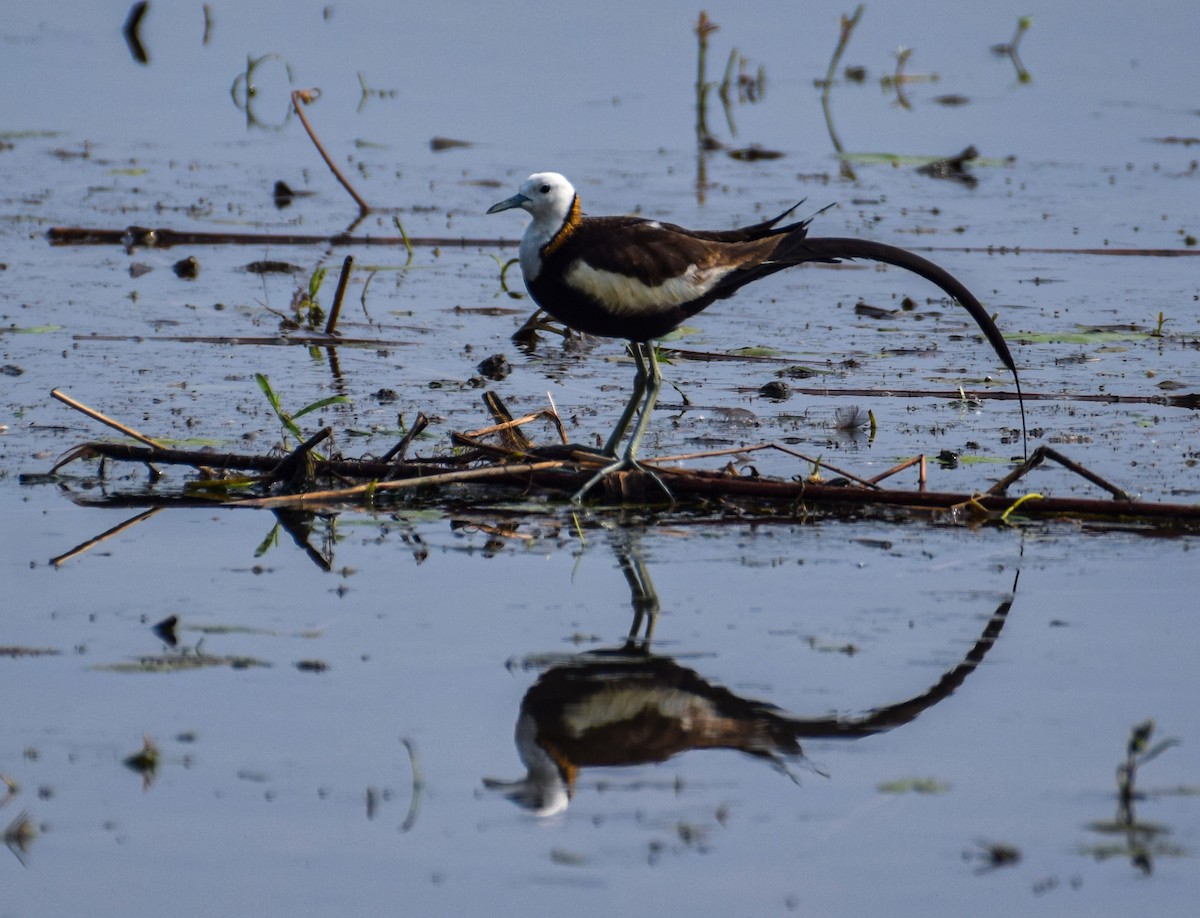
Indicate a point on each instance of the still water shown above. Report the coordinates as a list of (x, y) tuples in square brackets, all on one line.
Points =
[(350, 744)]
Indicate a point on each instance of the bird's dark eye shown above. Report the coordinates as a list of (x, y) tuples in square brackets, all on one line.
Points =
[(545, 189)]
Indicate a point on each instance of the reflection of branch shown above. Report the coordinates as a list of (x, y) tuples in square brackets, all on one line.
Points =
[(704, 28), (418, 785), (298, 524), (1009, 50), (131, 31), (107, 534), (848, 24), (244, 83), (307, 96)]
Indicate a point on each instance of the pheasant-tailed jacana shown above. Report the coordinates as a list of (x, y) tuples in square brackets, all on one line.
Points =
[(633, 278)]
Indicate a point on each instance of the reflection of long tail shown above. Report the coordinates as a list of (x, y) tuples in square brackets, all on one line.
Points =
[(833, 248), (627, 706), (894, 715)]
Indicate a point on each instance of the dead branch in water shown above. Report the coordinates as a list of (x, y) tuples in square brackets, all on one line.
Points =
[(517, 466), (134, 236), (164, 237)]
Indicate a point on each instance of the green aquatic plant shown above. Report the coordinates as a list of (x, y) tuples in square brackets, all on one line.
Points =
[(288, 419), (305, 308)]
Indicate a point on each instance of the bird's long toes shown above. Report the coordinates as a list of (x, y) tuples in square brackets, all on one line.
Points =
[(624, 464)]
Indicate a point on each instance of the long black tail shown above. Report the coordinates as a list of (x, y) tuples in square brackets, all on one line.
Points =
[(832, 248)]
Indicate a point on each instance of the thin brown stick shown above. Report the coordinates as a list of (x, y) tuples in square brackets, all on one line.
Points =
[(163, 238), (1045, 452), (127, 452), (307, 96), (240, 340), (397, 452), (481, 474), (906, 464), (506, 425), (512, 436), (821, 462), (517, 422), (288, 467), (336, 309), (104, 419), (735, 450)]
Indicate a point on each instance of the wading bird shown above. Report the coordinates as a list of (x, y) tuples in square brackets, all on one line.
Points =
[(633, 278)]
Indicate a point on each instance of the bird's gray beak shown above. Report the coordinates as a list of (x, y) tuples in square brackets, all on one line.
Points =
[(516, 200)]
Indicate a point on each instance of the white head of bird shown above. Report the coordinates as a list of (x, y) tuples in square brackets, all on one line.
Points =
[(551, 200)]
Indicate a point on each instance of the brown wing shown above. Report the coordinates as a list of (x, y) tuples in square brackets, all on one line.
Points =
[(653, 252)]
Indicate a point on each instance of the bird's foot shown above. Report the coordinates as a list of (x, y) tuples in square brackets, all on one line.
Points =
[(624, 464)]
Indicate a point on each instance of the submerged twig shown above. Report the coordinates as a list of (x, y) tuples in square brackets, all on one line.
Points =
[(305, 97), (343, 494)]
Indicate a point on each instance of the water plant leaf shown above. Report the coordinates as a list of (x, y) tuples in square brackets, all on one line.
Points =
[(321, 403), (1081, 337), (759, 351), (32, 329)]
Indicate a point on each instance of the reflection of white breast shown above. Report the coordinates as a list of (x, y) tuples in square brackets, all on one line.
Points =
[(615, 706), (623, 294)]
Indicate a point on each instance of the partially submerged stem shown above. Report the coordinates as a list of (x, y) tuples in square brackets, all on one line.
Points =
[(336, 308), (307, 96)]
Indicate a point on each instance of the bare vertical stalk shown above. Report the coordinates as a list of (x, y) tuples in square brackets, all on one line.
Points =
[(335, 310)]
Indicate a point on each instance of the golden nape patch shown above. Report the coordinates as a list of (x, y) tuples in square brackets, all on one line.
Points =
[(569, 225)]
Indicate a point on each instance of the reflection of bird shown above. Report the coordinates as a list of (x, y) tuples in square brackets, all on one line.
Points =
[(630, 708), (628, 277)]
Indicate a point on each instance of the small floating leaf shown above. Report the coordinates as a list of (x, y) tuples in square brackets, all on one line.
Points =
[(914, 786)]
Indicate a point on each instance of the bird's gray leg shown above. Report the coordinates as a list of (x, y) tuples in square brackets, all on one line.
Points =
[(652, 383), (649, 381), (639, 389)]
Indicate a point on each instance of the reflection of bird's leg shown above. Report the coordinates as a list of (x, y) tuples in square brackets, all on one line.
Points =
[(646, 386), (642, 596)]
